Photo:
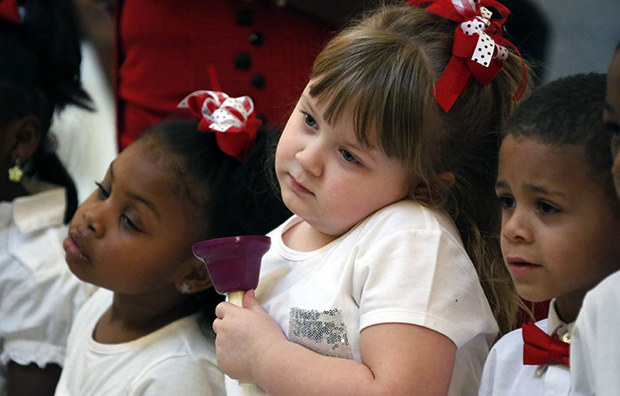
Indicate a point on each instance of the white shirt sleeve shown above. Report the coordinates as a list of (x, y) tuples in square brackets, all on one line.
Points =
[(436, 287)]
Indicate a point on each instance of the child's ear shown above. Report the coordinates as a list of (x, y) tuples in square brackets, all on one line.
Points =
[(424, 190), (195, 279), (24, 136)]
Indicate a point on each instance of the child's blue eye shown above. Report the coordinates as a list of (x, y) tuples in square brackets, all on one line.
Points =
[(309, 120), (348, 156), (506, 201)]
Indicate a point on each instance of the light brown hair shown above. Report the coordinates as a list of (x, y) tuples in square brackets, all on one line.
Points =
[(383, 69)]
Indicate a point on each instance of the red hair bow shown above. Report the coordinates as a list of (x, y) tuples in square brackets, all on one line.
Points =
[(10, 11), (232, 119), (478, 49)]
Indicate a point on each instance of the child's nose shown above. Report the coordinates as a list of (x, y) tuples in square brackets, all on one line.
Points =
[(515, 227), (311, 159), (93, 220)]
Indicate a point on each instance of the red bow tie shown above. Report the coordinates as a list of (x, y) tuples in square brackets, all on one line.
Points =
[(541, 348)]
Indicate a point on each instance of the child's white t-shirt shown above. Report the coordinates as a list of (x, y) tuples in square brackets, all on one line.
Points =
[(505, 374), (178, 359), (404, 264), (39, 296)]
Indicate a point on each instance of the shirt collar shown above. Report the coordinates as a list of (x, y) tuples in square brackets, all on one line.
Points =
[(557, 325), (41, 210)]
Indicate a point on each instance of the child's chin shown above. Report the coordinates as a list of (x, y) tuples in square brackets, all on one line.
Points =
[(530, 295)]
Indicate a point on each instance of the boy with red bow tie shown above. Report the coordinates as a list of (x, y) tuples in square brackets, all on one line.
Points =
[(560, 227)]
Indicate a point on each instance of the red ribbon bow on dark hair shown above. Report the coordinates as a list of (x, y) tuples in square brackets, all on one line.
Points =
[(541, 348), (478, 47), (9, 11), (232, 119)]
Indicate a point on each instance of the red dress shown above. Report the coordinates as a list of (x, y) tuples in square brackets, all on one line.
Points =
[(164, 47)]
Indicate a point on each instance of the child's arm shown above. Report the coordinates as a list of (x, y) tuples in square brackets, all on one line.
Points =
[(397, 359), (32, 380)]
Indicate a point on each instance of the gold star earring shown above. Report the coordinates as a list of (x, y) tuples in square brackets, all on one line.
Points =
[(16, 173)]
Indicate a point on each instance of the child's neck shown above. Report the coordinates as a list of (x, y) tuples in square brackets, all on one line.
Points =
[(128, 318), (567, 307), (305, 238)]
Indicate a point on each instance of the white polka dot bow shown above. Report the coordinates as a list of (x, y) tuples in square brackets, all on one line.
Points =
[(232, 119)]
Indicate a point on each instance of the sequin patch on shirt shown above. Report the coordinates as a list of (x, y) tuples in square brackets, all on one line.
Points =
[(323, 332)]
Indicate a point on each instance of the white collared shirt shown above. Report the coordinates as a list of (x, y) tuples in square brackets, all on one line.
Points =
[(505, 374), (39, 296)]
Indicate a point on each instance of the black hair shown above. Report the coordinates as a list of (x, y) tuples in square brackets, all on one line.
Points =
[(40, 74), (225, 197), (569, 111)]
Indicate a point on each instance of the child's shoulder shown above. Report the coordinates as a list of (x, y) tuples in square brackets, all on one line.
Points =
[(408, 215), (411, 213)]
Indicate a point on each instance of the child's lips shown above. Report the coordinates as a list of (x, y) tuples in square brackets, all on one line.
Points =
[(72, 249), (518, 265), (298, 186)]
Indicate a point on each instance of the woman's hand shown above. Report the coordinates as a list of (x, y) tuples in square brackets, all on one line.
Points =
[(243, 337)]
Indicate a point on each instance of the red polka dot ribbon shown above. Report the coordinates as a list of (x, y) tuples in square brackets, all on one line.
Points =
[(479, 49), (232, 119), (9, 11)]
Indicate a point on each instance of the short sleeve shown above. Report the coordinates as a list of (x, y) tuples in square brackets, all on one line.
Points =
[(422, 277), (183, 375)]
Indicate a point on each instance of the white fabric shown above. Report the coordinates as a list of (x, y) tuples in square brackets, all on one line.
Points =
[(39, 297), (595, 348), (404, 264), (505, 374), (178, 359)]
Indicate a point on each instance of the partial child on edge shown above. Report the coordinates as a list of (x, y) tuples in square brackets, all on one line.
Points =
[(39, 298), (149, 333), (387, 279), (560, 227), (595, 349)]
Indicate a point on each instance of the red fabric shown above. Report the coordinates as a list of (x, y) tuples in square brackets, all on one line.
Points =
[(164, 47), (541, 348), (9, 11)]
